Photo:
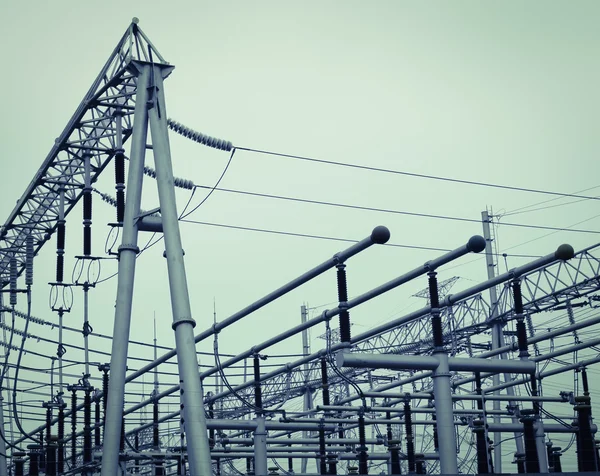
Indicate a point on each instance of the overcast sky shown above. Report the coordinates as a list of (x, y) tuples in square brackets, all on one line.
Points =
[(503, 93)]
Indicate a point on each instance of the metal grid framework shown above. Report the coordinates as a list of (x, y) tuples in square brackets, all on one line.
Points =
[(98, 128)]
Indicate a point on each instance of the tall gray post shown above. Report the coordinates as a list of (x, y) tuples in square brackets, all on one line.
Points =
[(497, 342), (307, 393), (260, 447), (126, 272), (183, 324), (3, 469), (442, 393)]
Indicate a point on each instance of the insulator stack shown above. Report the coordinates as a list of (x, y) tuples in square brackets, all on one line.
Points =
[(363, 467), (48, 423), (410, 444), (177, 181), (257, 389), (122, 442), (97, 441), (13, 280), (344, 315), (291, 460), (322, 453), (87, 207), (60, 251), (436, 318), (87, 427), (155, 438), (436, 441), (584, 382), (532, 463), (120, 184), (340, 426), (199, 137), (393, 447), (51, 458), (42, 453), (521, 329), (587, 458), (19, 461), (482, 453), (136, 445), (29, 252), (324, 381), (73, 428), (34, 468), (211, 431), (249, 469), (61, 434)]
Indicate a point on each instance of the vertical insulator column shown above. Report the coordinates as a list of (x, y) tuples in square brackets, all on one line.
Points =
[(18, 459), (436, 441), (586, 449), (257, 389), (87, 427), (420, 463), (532, 463), (74, 428), (393, 447), (557, 466), (363, 467), (290, 460), (521, 329), (484, 455), (218, 467), (136, 445), (155, 436), (340, 426), (29, 253), (322, 453), (60, 238), (34, 468), (51, 458), (211, 431), (61, 435), (48, 423), (325, 381), (97, 441), (122, 442), (104, 368), (43, 452), (410, 444), (249, 470), (436, 319), (120, 168), (13, 280), (87, 204), (344, 316)]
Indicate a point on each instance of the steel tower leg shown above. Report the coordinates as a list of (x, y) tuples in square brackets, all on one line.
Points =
[(126, 272), (183, 324), (442, 393), (3, 469)]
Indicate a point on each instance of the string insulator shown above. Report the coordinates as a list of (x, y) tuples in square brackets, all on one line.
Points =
[(87, 432), (518, 297), (196, 136), (434, 297), (120, 184), (344, 316), (13, 280), (29, 252), (73, 428)]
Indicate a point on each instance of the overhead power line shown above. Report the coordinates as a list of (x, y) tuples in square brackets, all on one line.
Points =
[(386, 210), (414, 174)]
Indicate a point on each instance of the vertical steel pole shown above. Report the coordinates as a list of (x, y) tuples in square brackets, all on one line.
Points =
[(3, 468), (307, 395), (126, 272), (260, 447), (183, 323), (442, 393)]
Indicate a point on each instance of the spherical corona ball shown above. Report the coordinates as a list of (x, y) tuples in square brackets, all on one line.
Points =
[(564, 252), (380, 235), (476, 243)]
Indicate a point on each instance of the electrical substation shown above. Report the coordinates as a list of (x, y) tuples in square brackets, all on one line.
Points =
[(460, 385)]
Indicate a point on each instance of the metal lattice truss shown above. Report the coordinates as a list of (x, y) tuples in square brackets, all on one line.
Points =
[(100, 125), (543, 289)]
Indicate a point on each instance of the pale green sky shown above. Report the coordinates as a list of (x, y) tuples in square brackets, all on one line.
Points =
[(501, 92)]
